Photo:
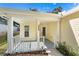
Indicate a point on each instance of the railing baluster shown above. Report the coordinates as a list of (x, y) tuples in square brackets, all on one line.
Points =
[(30, 46), (27, 45)]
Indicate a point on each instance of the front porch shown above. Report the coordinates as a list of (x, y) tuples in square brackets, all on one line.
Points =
[(30, 48), (34, 28), (31, 45), (22, 45), (34, 42)]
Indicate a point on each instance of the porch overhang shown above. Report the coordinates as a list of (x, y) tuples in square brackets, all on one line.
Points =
[(24, 16)]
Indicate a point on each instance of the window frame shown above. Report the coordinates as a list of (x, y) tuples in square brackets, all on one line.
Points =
[(26, 31)]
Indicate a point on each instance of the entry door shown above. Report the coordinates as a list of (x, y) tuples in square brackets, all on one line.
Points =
[(43, 31)]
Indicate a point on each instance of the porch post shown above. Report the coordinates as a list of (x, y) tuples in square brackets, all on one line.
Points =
[(58, 30), (38, 38), (57, 40), (10, 35)]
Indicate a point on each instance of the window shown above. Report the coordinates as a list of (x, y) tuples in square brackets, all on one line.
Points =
[(3, 21), (26, 28)]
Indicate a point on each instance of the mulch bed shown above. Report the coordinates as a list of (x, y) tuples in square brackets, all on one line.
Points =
[(33, 53)]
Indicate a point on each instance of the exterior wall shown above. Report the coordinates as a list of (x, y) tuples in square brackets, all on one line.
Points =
[(66, 31), (32, 30), (51, 30), (43, 25), (75, 27)]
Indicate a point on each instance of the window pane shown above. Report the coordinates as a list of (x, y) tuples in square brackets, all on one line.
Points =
[(26, 31)]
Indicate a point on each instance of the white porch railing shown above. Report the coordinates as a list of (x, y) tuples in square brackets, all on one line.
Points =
[(22, 45)]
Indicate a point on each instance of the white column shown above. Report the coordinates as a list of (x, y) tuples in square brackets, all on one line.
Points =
[(58, 25), (58, 33), (10, 35), (57, 37), (38, 36)]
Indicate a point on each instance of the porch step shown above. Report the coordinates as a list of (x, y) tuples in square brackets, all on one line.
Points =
[(33, 53)]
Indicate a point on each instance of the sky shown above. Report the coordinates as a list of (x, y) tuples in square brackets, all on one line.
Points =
[(42, 7)]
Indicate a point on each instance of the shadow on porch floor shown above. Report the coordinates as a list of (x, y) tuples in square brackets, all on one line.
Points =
[(51, 50)]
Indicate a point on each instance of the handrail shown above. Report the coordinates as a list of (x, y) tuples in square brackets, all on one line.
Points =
[(28, 46)]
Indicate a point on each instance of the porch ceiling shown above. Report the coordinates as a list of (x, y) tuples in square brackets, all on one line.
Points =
[(24, 16)]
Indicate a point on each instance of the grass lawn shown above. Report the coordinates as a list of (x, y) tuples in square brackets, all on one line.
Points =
[(3, 43)]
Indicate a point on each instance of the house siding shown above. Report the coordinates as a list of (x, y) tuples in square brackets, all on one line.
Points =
[(32, 30), (51, 30), (67, 34)]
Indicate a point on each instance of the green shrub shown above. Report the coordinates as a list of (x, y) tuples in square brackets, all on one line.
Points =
[(65, 50)]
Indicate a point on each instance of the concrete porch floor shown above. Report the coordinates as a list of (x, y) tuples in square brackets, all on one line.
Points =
[(51, 50)]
